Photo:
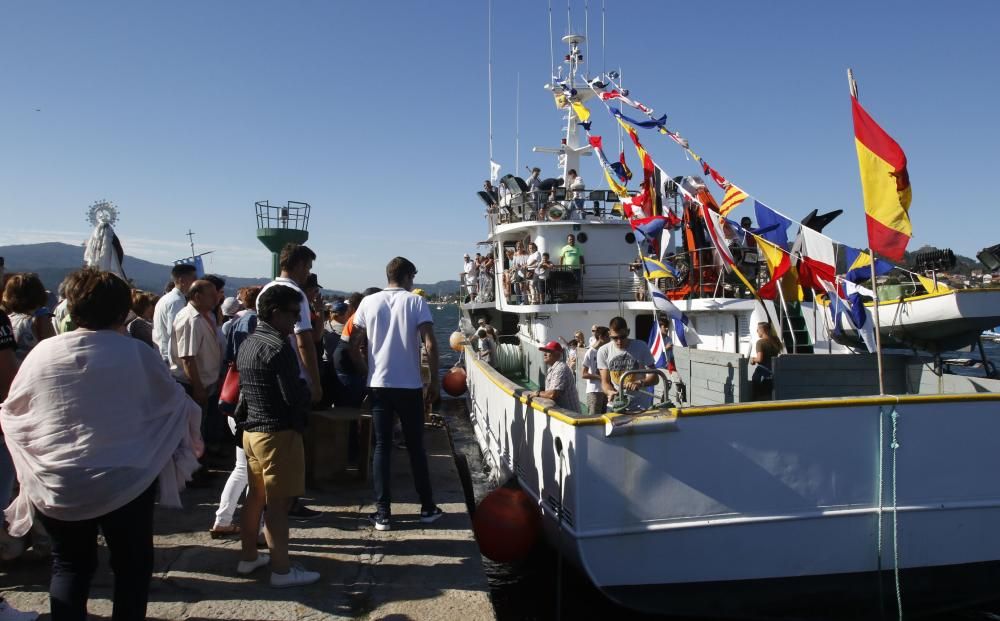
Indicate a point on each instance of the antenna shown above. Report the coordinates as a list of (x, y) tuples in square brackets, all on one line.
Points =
[(552, 53), (190, 236), (604, 63)]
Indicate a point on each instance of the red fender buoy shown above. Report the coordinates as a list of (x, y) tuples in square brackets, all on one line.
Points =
[(507, 524), (454, 381)]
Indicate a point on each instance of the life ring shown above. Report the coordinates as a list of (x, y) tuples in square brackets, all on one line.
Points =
[(556, 212)]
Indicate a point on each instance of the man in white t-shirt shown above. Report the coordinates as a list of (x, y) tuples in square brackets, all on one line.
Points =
[(390, 326), (597, 401), (296, 263), (169, 305)]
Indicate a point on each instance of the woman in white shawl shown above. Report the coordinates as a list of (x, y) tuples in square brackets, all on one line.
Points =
[(92, 419)]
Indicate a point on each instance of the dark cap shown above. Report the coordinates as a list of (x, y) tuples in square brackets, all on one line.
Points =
[(313, 281)]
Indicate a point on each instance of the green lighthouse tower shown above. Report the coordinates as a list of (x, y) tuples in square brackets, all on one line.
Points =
[(278, 225)]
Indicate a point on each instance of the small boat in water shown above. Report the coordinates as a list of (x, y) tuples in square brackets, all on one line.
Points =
[(817, 501)]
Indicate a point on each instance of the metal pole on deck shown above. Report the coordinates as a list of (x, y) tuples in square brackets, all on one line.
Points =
[(871, 254), (878, 326)]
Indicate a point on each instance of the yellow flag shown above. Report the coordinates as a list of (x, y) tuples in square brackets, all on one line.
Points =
[(581, 111), (928, 284)]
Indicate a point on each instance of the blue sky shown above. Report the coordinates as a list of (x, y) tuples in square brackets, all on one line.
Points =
[(185, 113)]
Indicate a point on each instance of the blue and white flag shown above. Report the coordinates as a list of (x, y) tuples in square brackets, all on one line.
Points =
[(656, 347), (685, 334)]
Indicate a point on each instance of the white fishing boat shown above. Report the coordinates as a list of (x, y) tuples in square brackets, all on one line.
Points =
[(828, 499), (940, 321)]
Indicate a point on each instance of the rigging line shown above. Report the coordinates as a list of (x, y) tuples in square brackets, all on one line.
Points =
[(517, 122), (689, 151), (489, 53), (552, 54)]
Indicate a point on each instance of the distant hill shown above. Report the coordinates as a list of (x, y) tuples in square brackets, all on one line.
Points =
[(52, 261)]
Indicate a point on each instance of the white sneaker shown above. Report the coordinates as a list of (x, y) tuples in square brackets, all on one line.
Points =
[(9, 613), (296, 576), (248, 567)]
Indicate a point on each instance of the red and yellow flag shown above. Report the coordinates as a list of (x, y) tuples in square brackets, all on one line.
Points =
[(648, 166), (779, 264), (734, 196), (885, 185)]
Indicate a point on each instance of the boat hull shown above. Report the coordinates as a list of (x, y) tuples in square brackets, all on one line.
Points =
[(785, 494), (936, 322), (864, 595)]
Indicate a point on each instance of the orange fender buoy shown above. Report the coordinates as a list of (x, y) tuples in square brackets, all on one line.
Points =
[(456, 341), (454, 382), (507, 524)]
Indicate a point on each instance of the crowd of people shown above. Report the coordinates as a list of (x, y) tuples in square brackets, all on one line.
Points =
[(113, 401), (536, 198), (525, 272)]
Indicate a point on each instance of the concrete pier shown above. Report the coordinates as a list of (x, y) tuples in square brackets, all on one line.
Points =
[(411, 572)]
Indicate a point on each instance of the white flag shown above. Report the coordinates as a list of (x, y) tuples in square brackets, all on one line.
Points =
[(494, 171)]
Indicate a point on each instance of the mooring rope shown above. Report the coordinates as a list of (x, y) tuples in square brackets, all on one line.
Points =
[(894, 445), (895, 512)]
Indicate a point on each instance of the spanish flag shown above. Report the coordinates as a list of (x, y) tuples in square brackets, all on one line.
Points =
[(885, 185)]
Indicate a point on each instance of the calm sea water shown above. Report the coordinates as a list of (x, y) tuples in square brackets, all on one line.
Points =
[(529, 590)]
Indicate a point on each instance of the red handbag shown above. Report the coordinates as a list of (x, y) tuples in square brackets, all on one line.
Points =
[(229, 396)]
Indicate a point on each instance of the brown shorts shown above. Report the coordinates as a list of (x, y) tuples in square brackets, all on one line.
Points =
[(279, 460)]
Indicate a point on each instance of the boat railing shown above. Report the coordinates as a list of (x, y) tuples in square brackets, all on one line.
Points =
[(478, 289), (541, 206), (615, 282)]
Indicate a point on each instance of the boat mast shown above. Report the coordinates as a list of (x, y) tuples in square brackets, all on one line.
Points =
[(871, 255), (577, 92)]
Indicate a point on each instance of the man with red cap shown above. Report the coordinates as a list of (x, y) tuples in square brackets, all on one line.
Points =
[(560, 382)]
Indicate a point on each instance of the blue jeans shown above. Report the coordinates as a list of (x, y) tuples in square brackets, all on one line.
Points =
[(7, 477), (408, 405)]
